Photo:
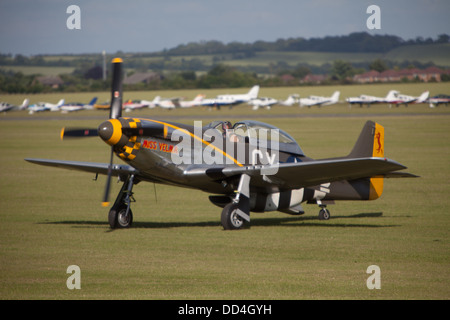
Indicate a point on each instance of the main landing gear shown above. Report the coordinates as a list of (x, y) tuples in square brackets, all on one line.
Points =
[(236, 214), (120, 215)]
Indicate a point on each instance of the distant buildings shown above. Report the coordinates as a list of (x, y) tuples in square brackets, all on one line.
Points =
[(51, 81), (142, 77), (414, 74)]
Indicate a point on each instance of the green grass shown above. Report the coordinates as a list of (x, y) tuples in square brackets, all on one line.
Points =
[(52, 218), (437, 53)]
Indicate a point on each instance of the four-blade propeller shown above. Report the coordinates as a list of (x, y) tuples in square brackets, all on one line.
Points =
[(115, 113)]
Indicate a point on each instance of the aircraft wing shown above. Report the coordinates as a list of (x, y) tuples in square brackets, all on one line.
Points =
[(93, 167), (311, 173)]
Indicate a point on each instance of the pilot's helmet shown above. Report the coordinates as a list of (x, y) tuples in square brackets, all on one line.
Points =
[(226, 125)]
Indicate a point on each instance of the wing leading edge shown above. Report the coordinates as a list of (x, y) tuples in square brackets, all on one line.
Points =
[(93, 167)]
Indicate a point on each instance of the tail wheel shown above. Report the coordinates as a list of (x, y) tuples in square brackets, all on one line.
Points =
[(230, 219), (324, 214)]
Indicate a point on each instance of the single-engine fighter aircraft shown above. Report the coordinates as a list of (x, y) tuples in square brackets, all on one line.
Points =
[(250, 166)]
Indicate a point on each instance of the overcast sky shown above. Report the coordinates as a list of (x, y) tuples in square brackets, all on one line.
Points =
[(39, 26)]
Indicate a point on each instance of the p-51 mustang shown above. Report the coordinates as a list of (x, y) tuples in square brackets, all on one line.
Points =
[(251, 166)]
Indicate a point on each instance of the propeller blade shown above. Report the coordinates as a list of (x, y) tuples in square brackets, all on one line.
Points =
[(116, 90), (78, 133), (114, 113), (105, 201)]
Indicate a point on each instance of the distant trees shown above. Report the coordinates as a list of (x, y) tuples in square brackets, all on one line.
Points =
[(342, 70), (204, 64), (378, 65)]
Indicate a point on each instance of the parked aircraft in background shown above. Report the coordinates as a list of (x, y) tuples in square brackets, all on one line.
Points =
[(4, 106), (320, 101), (78, 106), (188, 104), (45, 106), (173, 103), (394, 97), (131, 105), (153, 103), (232, 99), (439, 99), (290, 101), (262, 103), (365, 99)]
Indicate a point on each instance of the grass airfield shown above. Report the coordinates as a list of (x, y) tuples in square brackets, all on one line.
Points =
[(176, 249)]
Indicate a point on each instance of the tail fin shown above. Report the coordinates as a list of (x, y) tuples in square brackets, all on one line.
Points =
[(25, 104), (371, 144), (253, 93), (335, 96), (392, 95), (199, 97), (424, 96), (93, 101)]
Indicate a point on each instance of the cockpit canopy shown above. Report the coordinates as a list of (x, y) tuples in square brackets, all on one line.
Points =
[(260, 133)]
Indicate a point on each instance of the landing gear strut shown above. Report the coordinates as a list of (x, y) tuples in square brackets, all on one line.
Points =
[(120, 215), (236, 214)]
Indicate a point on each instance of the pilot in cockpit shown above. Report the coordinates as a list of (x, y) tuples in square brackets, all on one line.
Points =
[(227, 132)]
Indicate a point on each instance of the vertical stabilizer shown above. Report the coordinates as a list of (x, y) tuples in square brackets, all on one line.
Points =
[(370, 143)]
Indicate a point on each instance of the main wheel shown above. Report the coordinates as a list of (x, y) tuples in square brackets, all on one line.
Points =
[(324, 214), (118, 217), (230, 219)]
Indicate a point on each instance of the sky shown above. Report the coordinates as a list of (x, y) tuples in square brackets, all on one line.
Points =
[(40, 26)]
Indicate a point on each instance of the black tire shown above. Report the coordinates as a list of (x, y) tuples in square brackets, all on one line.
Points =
[(324, 214), (118, 219), (230, 219)]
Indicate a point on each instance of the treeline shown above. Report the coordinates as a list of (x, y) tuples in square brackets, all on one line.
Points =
[(354, 42), (184, 66), (358, 42)]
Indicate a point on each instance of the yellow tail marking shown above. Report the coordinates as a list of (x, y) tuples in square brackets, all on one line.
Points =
[(376, 187), (376, 183), (378, 141)]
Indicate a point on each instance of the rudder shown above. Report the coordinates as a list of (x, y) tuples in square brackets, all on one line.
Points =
[(370, 143)]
